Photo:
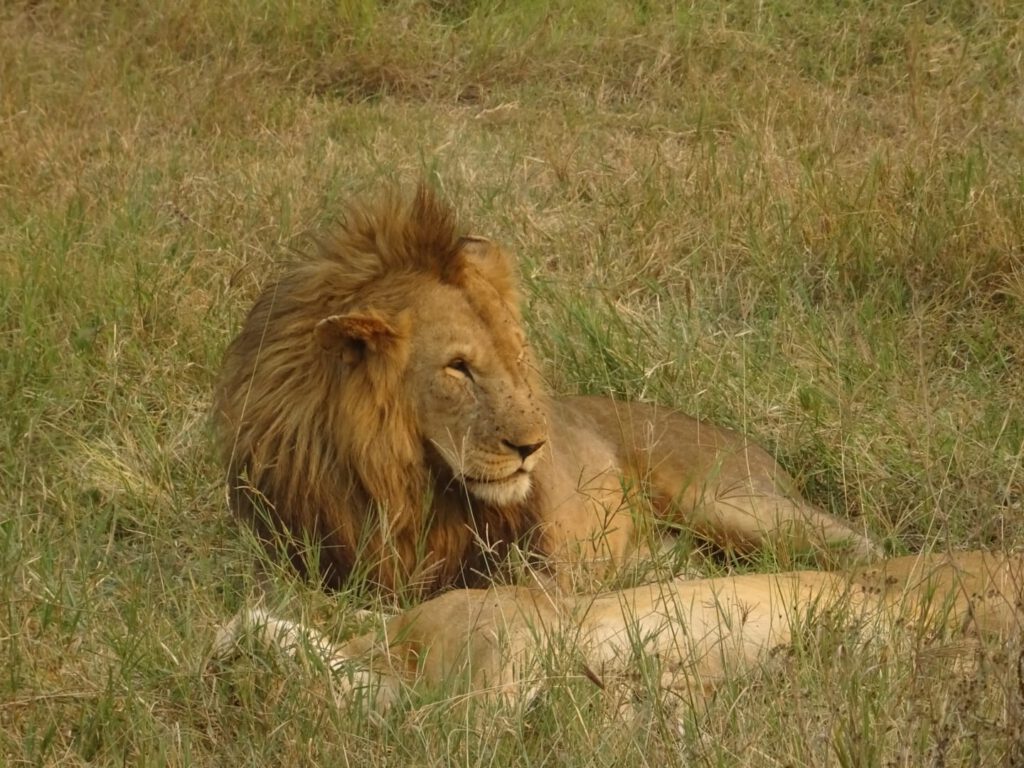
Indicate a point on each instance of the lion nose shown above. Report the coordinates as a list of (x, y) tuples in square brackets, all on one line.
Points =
[(524, 451)]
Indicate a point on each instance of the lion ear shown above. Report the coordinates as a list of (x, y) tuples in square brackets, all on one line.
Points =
[(494, 263), (475, 248), (355, 335)]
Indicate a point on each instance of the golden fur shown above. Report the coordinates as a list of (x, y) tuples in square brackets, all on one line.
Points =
[(381, 403), (501, 643)]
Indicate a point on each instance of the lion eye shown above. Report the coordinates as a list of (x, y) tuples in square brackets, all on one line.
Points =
[(459, 366)]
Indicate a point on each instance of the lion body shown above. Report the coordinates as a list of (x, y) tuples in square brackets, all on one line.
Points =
[(501, 643), (380, 408)]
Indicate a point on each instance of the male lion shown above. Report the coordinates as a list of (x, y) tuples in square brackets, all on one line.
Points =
[(380, 402)]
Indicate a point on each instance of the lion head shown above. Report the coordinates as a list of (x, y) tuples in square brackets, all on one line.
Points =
[(381, 399)]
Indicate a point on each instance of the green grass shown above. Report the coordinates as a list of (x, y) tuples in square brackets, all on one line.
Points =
[(802, 221)]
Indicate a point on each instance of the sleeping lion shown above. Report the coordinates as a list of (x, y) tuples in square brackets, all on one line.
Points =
[(500, 644)]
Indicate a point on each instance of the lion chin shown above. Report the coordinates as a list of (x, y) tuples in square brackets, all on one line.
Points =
[(504, 492)]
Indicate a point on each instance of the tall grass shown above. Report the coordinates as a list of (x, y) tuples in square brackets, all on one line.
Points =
[(803, 221)]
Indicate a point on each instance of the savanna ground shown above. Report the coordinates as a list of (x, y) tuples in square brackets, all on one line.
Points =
[(802, 220)]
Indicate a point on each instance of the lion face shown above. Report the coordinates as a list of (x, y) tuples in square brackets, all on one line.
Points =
[(453, 354), (479, 410)]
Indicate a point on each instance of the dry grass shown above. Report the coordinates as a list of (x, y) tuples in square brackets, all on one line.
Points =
[(802, 221)]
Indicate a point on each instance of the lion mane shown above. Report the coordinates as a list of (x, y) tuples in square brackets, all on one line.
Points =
[(327, 454)]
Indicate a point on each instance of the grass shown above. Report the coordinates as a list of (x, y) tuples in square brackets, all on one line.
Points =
[(803, 221)]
